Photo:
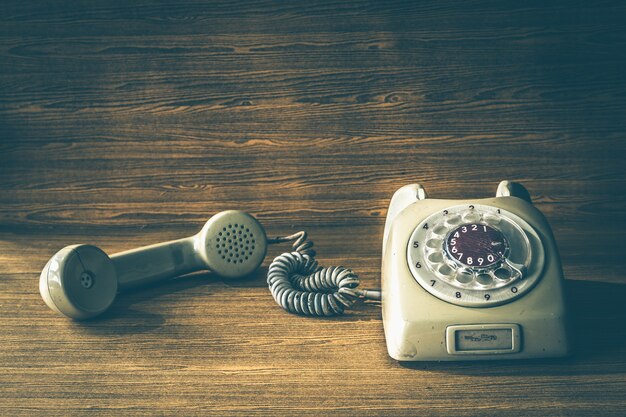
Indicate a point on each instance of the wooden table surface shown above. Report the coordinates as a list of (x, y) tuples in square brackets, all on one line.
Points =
[(129, 123)]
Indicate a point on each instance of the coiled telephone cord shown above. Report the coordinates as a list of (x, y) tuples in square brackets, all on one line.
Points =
[(301, 286)]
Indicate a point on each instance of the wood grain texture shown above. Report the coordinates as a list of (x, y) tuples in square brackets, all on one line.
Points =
[(129, 123)]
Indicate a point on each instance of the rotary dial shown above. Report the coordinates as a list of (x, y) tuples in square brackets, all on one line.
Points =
[(475, 255)]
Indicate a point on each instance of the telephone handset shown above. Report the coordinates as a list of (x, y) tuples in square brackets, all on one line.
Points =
[(81, 281), (471, 279)]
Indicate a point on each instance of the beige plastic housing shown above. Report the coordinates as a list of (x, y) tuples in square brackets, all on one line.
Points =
[(420, 327)]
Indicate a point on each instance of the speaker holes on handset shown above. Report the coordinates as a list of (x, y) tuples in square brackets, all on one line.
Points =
[(86, 280)]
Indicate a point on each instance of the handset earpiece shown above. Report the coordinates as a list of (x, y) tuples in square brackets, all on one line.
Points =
[(81, 281)]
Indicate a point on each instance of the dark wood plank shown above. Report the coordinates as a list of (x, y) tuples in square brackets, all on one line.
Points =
[(129, 123)]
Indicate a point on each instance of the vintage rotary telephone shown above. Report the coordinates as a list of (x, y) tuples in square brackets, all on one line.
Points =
[(471, 279)]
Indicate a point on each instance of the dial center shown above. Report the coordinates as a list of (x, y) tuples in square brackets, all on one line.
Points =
[(476, 245)]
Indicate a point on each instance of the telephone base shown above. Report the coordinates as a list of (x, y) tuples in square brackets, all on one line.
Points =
[(473, 279)]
